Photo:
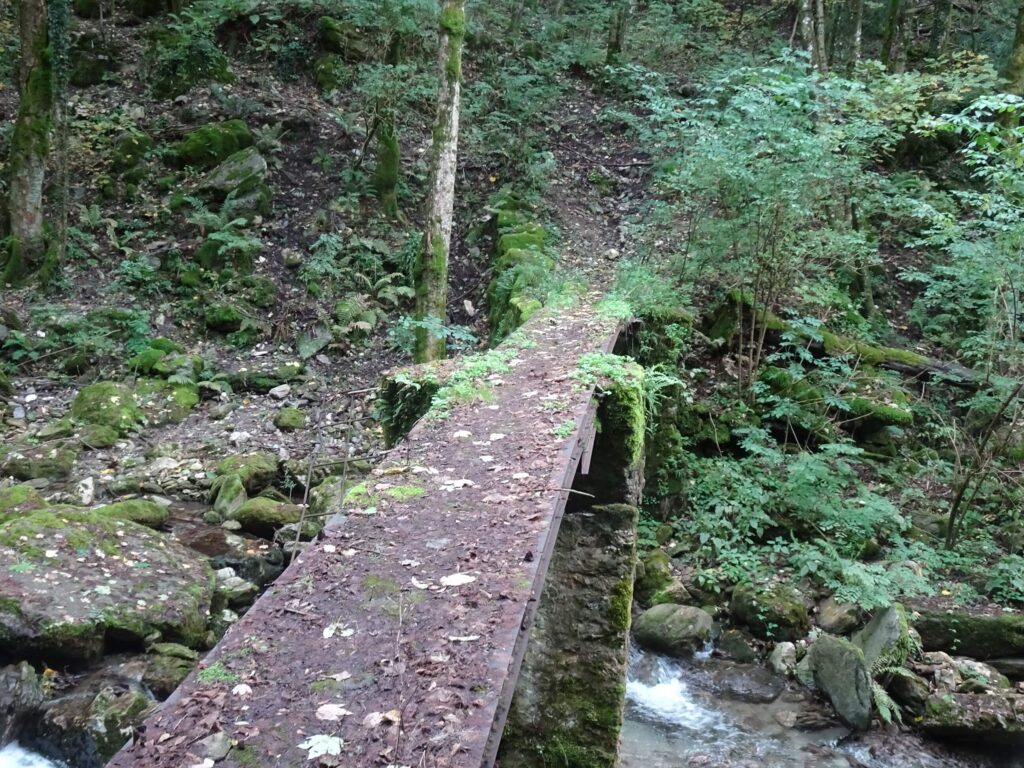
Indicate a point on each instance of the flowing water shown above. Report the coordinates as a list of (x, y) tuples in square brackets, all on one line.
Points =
[(13, 756), (710, 713)]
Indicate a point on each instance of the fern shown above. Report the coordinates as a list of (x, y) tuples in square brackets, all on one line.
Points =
[(888, 709)]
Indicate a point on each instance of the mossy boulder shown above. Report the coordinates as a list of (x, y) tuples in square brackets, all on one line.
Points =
[(344, 39), (654, 575), (227, 495), (164, 402), (93, 725), (262, 516), (262, 380), (47, 461), (97, 436), (674, 629), (224, 318), (290, 419), (978, 718), (257, 471), (259, 291), (92, 57), (978, 636), (239, 184), (141, 511), (886, 637), (330, 72), (108, 404), (165, 671), (18, 500), (841, 673), (130, 150), (212, 144), (776, 613), (73, 580)]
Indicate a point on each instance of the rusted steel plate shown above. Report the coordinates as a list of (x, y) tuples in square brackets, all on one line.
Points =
[(396, 640)]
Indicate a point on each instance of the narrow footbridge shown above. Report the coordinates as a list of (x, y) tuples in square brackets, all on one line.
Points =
[(398, 638)]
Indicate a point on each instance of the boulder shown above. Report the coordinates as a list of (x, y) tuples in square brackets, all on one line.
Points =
[(289, 419), (239, 175), (165, 672), (234, 590), (50, 462), (978, 677), (224, 318), (655, 575), (1012, 668), (92, 57), (777, 613), (673, 629), (257, 471), (262, 516), (978, 636), (733, 644), (19, 500), (71, 582), (141, 511), (886, 637), (910, 691), (837, 618), (108, 404), (975, 717), (783, 659), (212, 144), (21, 695), (841, 674), (228, 495), (164, 402)]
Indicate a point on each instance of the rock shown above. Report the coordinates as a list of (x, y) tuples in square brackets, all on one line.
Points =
[(224, 318), (165, 672), (978, 677), (21, 695), (1012, 668), (290, 419), (211, 144), (777, 613), (86, 491), (164, 402), (176, 650), (228, 495), (841, 673), (240, 184), (130, 151), (95, 726), (910, 691), (91, 58), (98, 436), (281, 391), (977, 636), (73, 581), (886, 636), (19, 500), (257, 471), (657, 575), (262, 516), (215, 746), (733, 645), (56, 430), (343, 39), (979, 718), (235, 590), (44, 461), (291, 258), (147, 513), (674, 592), (783, 659), (262, 380), (837, 618), (107, 404), (673, 629)]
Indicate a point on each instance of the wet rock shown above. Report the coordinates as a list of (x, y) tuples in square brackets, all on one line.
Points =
[(1012, 668), (228, 495), (673, 629), (886, 636), (166, 666), (777, 613), (257, 471), (141, 511), (19, 500), (977, 636), (837, 618), (235, 590), (290, 419), (50, 462), (783, 658), (732, 644), (74, 581), (974, 716), (656, 575), (841, 674), (262, 516), (910, 691), (21, 695), (93, 727)]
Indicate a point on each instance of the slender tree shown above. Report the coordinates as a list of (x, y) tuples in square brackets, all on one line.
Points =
[(894, 20), (807, 31), (389, 151), (819, 33), (858, 30), (1015, 64), (432, 263), (617, 30), (941, 21), (30, 143)]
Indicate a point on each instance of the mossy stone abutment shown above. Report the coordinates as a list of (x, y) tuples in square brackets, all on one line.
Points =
[(419, 625)]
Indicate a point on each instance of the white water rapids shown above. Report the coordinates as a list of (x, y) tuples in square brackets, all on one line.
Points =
[(13, 756)]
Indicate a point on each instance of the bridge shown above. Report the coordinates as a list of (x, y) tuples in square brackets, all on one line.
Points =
[(414, 632)]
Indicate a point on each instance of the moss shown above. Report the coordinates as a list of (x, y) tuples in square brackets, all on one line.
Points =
[(17, 500), (389, 161), (620, 605), (212, 144), (224, 318), (262, 516), (404, 492), (403, 399), (256, 471), (166, 403), (217, 673), (343, 39), (147, 513), (290, 419), (53, 463), (97, 436), (107, 404), (146, 360)]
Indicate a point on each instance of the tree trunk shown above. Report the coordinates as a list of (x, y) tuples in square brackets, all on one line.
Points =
[(940, 27), (30, 143), (617, 31), (858, 30), (432, 264), (389, 151), (819, 32), (891, 35), (1015, 66)]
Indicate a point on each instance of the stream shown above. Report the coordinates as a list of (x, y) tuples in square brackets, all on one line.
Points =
[(13, 756), (719, 714)]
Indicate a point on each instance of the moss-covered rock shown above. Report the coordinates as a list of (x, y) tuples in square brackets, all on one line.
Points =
[(225, 318), (673, 629), (141, 511), (49, 461), (262, 516), (72, 580), (108, 404), (344, 39), (655, 575), (19, 500), (164, 402), (257, 471), (886, 637), (262, 380), (130, 151), (211, 144), (165, 671), (92, 57), (290, 419), (978, 636), (980, 718), (96, 436), (776, 613), (259, 291), (93, 725), (227, 495), (841, 673)]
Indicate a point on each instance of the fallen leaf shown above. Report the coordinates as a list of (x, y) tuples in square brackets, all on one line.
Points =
[(320, 745), (464, 638), (331, 712), (242, 690), (457, 580)]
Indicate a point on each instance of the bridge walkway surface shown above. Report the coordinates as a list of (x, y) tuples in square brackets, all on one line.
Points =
[(396, 639)]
